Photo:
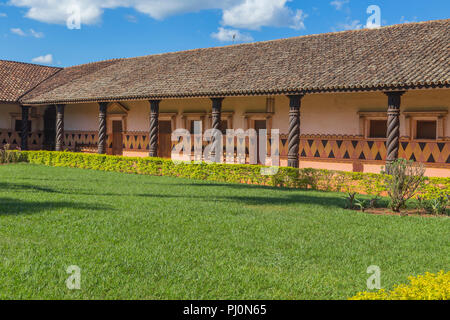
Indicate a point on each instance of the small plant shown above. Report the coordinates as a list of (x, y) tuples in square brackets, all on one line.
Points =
[(374, 202), (403, 181), (436, 206), (8, 156), (363, 205), (350, 200)]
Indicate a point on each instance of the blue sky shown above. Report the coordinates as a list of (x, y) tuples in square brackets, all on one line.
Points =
[(36, 30)]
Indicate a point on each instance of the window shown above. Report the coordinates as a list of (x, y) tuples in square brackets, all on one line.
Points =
[(377, 129), (426, 130), (18, 125)]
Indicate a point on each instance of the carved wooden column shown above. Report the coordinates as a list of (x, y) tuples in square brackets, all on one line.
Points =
[(59, 127), (216, 121), (25, 128), (393, 126), (102, 134), (294, 130), (154, 127)]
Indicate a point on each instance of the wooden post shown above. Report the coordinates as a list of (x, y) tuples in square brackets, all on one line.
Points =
[(25, 128), (393, 126), (294, 130), (59, 127), (154, 128), (102, 134), (216, 121)]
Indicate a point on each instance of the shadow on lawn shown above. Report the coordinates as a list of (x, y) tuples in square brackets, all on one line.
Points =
[(284, 198), (25, 187), (9, 206), (259, 201)]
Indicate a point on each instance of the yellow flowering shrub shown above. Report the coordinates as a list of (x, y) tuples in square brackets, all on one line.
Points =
[(423, 287)]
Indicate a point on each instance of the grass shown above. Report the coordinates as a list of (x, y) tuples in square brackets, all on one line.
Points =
[(166, 238)]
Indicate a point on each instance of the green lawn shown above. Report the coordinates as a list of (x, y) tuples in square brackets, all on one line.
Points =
[(166, 238)]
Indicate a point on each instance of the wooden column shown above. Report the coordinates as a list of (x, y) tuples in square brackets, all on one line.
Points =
[(59, 127), (216, 121), (154, 128), (25, 128), (102, 134), (294, 130), (393, 126)]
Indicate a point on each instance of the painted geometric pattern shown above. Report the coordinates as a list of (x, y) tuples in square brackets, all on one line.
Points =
[(348, 148), (341, 148), (135, 141), (77, 138), (35, 139)]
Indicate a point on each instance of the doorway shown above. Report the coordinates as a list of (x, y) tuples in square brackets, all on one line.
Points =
[(165, 139), (49, 128), (117, 143), (260, 125)]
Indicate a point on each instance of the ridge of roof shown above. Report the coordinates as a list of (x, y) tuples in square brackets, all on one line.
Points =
[(30, 64), (394, 26), (352, 60)]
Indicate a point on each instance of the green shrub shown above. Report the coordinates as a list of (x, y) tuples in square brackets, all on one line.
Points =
[(423, 287), (9, 156), (404, 179), (437, 205), (325, 180)]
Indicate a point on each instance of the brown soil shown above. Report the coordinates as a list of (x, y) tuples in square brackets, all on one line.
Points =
[(410, 212)]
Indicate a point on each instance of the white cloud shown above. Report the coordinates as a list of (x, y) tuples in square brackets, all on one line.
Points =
[(349, 25), (36, 34), (131, 18), (339, 4), (18, 31), (254, 14), (47, 59), (404, 20), (3, 15), (248, 14), (229, 35), (22, 33)]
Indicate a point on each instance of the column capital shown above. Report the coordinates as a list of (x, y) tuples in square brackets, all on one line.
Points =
[(295, 100), (154, 106), (394, 93), (103, 106), (217, 102)]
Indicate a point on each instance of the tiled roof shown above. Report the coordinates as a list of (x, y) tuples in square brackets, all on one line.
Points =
[(414, 55), (17, 78)]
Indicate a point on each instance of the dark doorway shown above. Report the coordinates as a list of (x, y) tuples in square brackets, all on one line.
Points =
[(165, 139), (260, 125), (49, 128), (117, 144)]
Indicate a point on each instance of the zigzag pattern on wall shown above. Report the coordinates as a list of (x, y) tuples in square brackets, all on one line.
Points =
[(352, 148), (35, 139), (314, 147)]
